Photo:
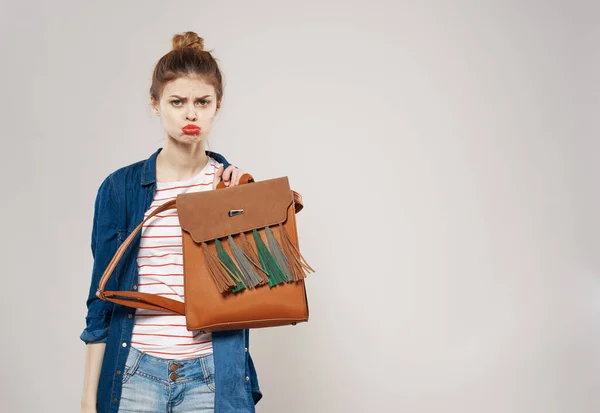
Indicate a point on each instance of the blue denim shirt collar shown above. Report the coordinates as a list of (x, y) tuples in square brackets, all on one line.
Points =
[(149, 169), (149, 166)]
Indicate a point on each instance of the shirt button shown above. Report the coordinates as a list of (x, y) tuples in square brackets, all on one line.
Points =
[(118, 372), (135, 287), (124, 344), (247, 378), (129, 315), (246, 349), (114, 399)]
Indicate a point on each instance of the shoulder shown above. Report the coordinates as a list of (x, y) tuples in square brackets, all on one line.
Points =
[(217, 157), (214, 161), (120, 181), (128, 178), (128, 172)]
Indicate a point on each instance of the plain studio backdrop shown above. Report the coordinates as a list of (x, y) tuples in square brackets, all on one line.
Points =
[(448, 159)]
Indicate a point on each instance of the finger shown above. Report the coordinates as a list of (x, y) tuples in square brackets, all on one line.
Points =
[(217, 177), (227, 175), (235, 179)]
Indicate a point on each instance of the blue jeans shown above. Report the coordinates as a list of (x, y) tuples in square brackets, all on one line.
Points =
[(152, 384)]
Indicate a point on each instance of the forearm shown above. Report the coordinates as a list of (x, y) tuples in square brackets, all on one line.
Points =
[(93, 365)]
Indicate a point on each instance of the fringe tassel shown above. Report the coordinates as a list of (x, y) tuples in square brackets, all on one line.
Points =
[(297, 264), (216, 269), (230, 266), (268, 261), (252, 279), (252, 256), (278, 254)]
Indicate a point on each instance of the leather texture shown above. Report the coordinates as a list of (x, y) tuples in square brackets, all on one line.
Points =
[(204, 217)]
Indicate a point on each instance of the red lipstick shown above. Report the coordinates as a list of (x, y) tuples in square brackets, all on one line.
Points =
[(190, 129)]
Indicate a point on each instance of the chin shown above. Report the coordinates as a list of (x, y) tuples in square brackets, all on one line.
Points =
[(189, 139)]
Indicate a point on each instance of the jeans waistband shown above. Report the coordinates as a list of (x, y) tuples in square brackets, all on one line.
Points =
[(169, 370)]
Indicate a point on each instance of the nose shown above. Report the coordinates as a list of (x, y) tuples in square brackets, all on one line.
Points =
[(191, 114)]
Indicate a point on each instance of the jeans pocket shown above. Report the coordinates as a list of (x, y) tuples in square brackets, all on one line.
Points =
[(210, 384), (208, 368), (131, 365), (128, 373), (126, 376)]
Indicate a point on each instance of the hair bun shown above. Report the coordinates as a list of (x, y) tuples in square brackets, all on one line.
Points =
[(188, 39)]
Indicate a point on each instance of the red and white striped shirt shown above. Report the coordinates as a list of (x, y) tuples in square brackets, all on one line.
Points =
[(160, 266)]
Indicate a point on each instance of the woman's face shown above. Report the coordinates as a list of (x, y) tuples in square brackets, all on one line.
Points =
[(187, 101)]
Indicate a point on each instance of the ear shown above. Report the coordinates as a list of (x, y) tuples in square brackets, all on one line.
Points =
[(219, 103), (154, 106)]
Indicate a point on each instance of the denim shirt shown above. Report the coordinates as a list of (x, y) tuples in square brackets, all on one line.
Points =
[(123, 198)]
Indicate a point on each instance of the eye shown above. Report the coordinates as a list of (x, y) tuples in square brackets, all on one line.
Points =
[(203, 102)]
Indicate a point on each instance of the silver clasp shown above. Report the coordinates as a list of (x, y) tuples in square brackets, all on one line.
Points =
[(234, 212)]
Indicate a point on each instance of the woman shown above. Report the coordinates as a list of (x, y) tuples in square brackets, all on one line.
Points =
[(142, 360)]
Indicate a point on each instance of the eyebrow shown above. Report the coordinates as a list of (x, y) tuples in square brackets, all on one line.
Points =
[(181, 97)]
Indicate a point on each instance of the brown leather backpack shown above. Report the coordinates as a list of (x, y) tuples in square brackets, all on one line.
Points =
[(241, 260)]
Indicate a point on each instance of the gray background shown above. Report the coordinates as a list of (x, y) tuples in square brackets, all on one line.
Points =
[(447, 155)]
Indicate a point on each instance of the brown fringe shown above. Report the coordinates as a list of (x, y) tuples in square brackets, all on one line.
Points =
[(252, 257), (217, 270), (297, 264)]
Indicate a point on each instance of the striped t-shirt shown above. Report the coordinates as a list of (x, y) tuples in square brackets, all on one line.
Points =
[(160, 266)]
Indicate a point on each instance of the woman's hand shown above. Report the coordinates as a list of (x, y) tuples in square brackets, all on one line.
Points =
[(230, 176)]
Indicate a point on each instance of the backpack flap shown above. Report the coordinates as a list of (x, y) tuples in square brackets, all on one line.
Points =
[(233, 228)]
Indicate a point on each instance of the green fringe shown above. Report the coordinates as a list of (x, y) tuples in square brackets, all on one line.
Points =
[(230, 266), (268, 262), (278, 254)]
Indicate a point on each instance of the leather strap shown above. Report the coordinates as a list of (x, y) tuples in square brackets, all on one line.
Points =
[(244, 179), (153, 301), (143, 300), (298, 204)]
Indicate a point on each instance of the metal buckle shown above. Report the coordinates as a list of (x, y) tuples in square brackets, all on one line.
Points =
[(234, 212)]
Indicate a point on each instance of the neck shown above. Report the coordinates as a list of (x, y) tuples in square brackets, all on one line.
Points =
[(178, 162)]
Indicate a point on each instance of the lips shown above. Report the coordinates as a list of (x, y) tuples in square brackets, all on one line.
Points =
[(190, 129)]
